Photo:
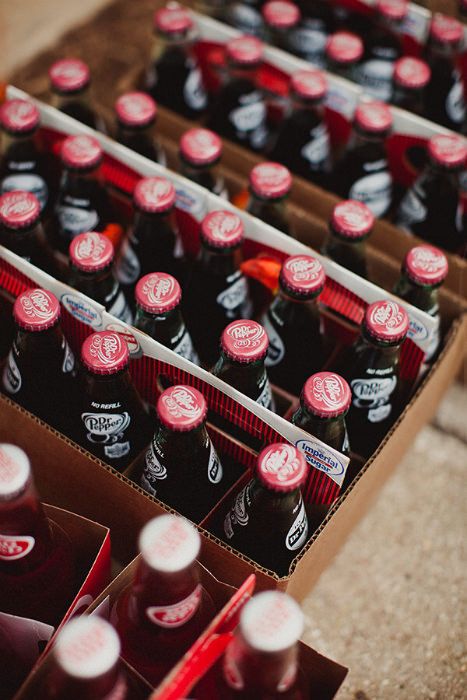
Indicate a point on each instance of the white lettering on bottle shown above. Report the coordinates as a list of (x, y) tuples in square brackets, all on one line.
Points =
[(234, 296), (127, 268), (107, 429), (311, 43), (185, 348), (373, 395), (120, 309), (194, 92), (316, 151), (215, 472), (74, 220), (455, 102), (298, 533), (153, 471), (265, 398), (238, 514), (29, 183), (178, 614), (375, 76), (375, 191), (68, 363), (411, 210), (276, 349), (13, 547), (12, 380), (250, 115)]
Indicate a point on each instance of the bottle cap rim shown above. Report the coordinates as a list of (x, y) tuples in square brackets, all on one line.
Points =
[(326, 395), (411, 72), (87, 647), (81, 152), (136, 109), (344, 47), (181, 408), (200, 146), (36, 310), (244, 341), (303, 275), (245, 50), (169, 543), (373, 117), (19, 209), (69, 75), (386, 321), (173, 19), (105, 352), (15, 470), (393, 9), (282, 467), (222, 229), (154, 195), (448, 150), (352, 219), (271, 621), (19, 116), (426, 265), (446, 29), (91, 251), (309, 84), (281, 14), (158, 293), (270, 180)]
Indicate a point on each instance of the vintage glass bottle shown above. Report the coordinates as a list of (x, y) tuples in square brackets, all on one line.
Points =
[(136, 114), (270, 184), (200, 152), (410, 79), (344, 51), (349, 228), (281, 17), (70, 81)]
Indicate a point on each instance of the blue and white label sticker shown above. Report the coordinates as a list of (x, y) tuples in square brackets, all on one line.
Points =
[(323, 459), (82, 309)]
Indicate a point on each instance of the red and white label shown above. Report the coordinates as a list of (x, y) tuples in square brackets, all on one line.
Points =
[(14, 547), (282, 465), (178, 614)]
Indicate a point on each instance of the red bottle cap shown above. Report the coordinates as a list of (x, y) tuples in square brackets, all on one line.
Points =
[(387, 321), (154, 195), (136, 109), (448, 150), (411, 73), (105, 352), (15, 470), (200, 146), (19, 116), (19, 209), (181, 408), (91, 251), (244, 341), (158, 293), (245, 50), (281, 14), (270, 180), (374, 117), (69, 75), (81, 152), (87, 647), (222, 229), (281, 467), (271, 622), (309, 84), (169, 543), (393, 9), (352, 219), (302, 275), (446, 30), (36, 310), (326, 394), (344, 47), (172, 19), (426, 265)]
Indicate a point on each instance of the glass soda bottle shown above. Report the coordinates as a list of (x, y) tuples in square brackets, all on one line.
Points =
[(23, 166), (70, 82), (349, 228), (262, 660), (200, 152), (267, 521), (153, 242), (181, 453), (136, 114), (371, 366), (165, 608), (410, 79), (158, 313), (245, 16), (445, 98), (113, 421), (270, 184), (174, 78), (423, 272), (383, 48), (362, 173), (86, 663), (309, 39), (280, 17), (91, 272), (244, 345), (303, 139), (293, 324), (432, 207), (37, 558), (344, 51), (239, 109), (217, 291), (39, 373), (83, 204), (21, 229)]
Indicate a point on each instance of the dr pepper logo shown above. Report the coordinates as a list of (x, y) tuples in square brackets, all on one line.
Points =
[(14, 547), (176, 615)]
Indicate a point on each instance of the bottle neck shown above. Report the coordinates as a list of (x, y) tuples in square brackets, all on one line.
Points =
[(365, 139), (19, 147), (147, 227), (80, 183), (247, 377), (44, 346), (314, 108), (238, 72), (380, 355), (331, 431), (137, 135), (167, 43), (203, 175), (408, 98), (246, 669), (421, 296), (109, 389), (99, 285), (437, 50), (181, 445), (62, 101), (166, 328), (348, 252), (105, 687), (19, 241), (285, 308), (157, 588), (271, 211), (220, 262)]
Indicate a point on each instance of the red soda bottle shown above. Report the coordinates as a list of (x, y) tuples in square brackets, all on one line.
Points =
[(21, 229), (91, 272), (165, 608), (217, 291), (363, 173), (262, 660), (423, 272), (303, 140), (85, 660), (445, 98), (200, 152), (270, 185), (410, 79), (181, 453), (70, 81), (371, 366), (432, 207), (136, 114), (37, 560), (40, 370), (293, 324), (267, 520), (280, 17), (239, 110), (344, 51), (83, 203), (113, 421), (23, 166), (351, 224), (244, 346), (158, 313), (174, 78)]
